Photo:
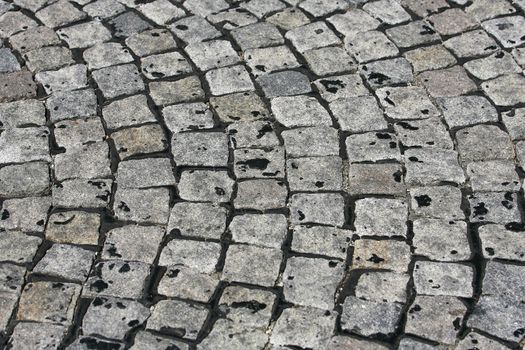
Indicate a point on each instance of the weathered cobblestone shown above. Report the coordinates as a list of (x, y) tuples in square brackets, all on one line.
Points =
[(262, 174)]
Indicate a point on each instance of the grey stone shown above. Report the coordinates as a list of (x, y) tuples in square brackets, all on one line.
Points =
[(188, 116), (288, 18), (492, 66), (205, 7), (340, 342), (106, 54), (328, 60), (229, 80), (381, 217), (268, 59), (128, 111), (424, 322), (141, 140), (200, 149), (232, 18), (104, 8), (341, 86), (242, 107), (493, 175), (412, 34), (441, 240), (386, 178), (66, 261), (312, 281), (164, 65), (22, 113), (505, 90), (145, 340), (387, 11), (27, 179), (24, 145), (430, 58), (34, 38), (48, 302), (71, 133), (474, 339), (321, 240), (59, 13), (431, 166), (320, 208), (423, 8), (194, 29), (467, 110), (369, 317), (171, 92), (483, 142), (439, 278), (353, 21), (386, 287), (30, 335), (199, 256), (358, 114), (84, 35), (452, 21), (64, 79), (471, 44), (8, 61), (261, 194), (212, 54), (388, 72), (312, 36), (147, 172), (500, 208), (409, 102), (234, 304), (372, 147), (25, 214), (381, 255), (237, 266), (65, 105), (113, 318), (303, 327), (257, 35), (187, 283), (17, 247), (483, 10), (117, 278), (161, 11), (118, 80), (311, 141), (218, 186), (75, 227), (150, 42), (82, 193), (8, 303), (322, 8), (292, 111), (315, 173), (143, 205), (447, 82), (128, 23), (260, 8), (177, 318), (203, 220), (252, 134), (17, 86), (259, 163), (285, 83), (13, 22), (513, 121), (442, 202), (133, 243), (500, 242), (370, 46), (424, 133), (85, 342), (508, 31), (83, 162)]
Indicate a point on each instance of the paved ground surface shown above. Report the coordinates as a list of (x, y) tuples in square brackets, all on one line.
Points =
[(262, 174)]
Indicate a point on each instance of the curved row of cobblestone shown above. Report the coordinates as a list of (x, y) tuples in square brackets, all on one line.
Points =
[(262, 174)]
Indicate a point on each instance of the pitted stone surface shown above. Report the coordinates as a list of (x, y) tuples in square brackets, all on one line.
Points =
[(262, 174)]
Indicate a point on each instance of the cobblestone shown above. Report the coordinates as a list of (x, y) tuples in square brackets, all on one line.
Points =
[(261, 174)]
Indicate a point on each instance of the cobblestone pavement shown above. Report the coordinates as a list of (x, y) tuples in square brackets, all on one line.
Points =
[(262, 174)]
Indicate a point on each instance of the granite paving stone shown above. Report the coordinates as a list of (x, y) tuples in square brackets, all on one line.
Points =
[(262, 174)]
